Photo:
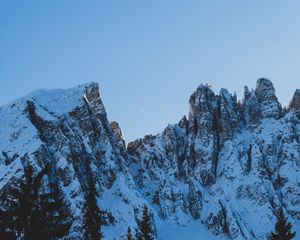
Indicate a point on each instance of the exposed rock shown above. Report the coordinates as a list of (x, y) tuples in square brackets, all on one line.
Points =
[(295, 102), (251, 105), (69, 129), (232, 162), (119, 137), (269, 105), (230, 117), (229, 165)]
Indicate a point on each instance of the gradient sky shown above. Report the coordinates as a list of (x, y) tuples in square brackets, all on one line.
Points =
[(148, 56)]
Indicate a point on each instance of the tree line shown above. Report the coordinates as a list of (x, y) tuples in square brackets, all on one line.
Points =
[(38, 215), (145, 229), (34, 215)]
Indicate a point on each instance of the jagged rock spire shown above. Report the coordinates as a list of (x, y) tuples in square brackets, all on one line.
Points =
[(251, 106), (265, 93), (295, 102), (265, 90)]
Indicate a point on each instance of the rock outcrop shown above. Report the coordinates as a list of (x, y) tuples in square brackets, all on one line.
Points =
[(295, 102), (231, 164), (70, 130), (228, 165)]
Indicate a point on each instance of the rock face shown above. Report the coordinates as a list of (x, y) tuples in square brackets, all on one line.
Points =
[(229, 165), (295, 103), (265, 93), (70, 130)]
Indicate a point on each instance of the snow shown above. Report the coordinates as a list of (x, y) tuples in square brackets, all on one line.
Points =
[(193, 231), (246, 192)]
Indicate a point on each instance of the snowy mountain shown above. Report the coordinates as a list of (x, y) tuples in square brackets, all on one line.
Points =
[(222, 172)]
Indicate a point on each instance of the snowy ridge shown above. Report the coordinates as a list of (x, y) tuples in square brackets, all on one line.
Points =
[(220, 173)]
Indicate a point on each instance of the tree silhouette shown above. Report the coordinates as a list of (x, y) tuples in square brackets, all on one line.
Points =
[(129, 235), (92, 214), (92, 218), (53, 221), (145, 226), (282, 228), (138, 235), (19, 221)]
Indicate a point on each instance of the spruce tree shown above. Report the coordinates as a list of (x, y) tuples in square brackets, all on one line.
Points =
[(8, 229), (92, 218), (52, 221), (282, 228), (129, 235), (92, 214), (146, 225), (19, 220), (138, 235)]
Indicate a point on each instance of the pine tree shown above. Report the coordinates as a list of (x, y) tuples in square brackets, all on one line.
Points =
[(52, 221), (19, 221), (138, 235), (129, 235), (146, 226), (92, 214), (92, 218), (8, 229), (282, 228)]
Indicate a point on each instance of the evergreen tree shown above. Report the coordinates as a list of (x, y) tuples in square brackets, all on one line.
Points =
[(35, 216), (129, 235), (138, 235), (92, 218), (282, 228), (92, 214), (146, 226), (8, 229), (52, 221), (19, 221)]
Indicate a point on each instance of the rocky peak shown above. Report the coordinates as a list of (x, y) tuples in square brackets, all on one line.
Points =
[(269, 105), (210, 167), (92, 91), (218, 114), (203, 110), (117, 130), (265, 90), (251, 107), (230, 118), (247, 94), (184, 122), (295, 102), (91, 95), (118, 134)]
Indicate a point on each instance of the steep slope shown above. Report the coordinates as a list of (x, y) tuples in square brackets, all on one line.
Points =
[(70, 130), (231, 164), (221, 172)]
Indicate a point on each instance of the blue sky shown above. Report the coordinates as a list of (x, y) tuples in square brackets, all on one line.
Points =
[(148, 56)]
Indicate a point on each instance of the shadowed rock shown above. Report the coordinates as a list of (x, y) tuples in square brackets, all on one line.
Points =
[(269, 105), (295, 102)]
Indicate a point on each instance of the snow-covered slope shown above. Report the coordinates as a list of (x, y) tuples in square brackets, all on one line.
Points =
[(221, 172), (230, 164), (69, 129)]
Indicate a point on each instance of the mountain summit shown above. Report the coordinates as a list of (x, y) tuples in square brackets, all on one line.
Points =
[(222, 172)]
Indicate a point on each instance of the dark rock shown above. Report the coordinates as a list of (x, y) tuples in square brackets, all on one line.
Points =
[(295, 102)]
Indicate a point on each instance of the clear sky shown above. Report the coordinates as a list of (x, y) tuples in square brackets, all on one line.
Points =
[(148, 56)]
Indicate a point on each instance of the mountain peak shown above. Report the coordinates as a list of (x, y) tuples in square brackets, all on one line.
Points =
[(269, 105), (265, 90), (223, 166), (59, 101), (295, 102)]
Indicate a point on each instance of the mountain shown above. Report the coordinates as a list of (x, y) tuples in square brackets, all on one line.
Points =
[(222, 172)]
